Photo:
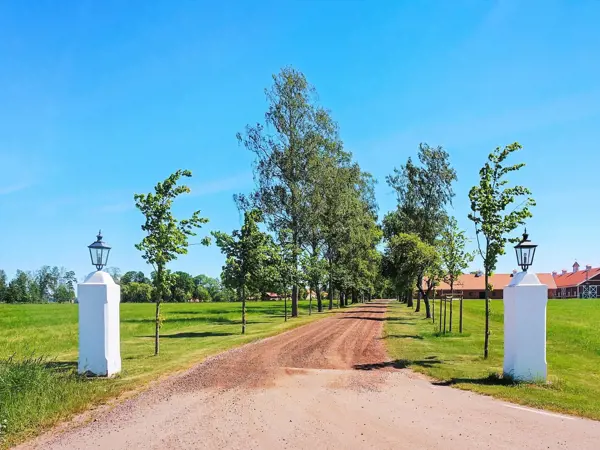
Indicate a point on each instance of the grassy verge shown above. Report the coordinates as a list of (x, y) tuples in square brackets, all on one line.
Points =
[(38, 356), (573, 354)]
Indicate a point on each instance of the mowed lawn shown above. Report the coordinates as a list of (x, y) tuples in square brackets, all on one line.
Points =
[(572, 353), (36, 393)]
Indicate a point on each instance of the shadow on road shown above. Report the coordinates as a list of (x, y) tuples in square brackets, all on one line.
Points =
[(400, 364), (378, 319), (492, 379)]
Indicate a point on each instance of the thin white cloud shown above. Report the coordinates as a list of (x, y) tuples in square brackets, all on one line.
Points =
[(11, 188)]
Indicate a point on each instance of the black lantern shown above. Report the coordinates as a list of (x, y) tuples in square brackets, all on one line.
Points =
[(525, 252), (99, 252)]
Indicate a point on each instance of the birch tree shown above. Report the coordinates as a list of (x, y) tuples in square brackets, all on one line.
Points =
[(497, 210), (166, 237)]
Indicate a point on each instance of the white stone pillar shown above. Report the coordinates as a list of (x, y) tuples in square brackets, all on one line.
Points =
[(525, 300), (99, 335)]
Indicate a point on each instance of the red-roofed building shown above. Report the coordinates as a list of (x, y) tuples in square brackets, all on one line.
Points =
[(472, 286), (577, 283)]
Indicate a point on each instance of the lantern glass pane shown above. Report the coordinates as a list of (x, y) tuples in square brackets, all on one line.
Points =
[(105, 254), (525, 252), (518, 251)]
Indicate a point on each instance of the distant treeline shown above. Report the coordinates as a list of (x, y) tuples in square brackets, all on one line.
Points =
[(137, 288), (49, 284), (57, 285)]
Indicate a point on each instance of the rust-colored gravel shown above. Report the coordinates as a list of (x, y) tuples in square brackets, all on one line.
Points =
[(302, 390), (349, 339)]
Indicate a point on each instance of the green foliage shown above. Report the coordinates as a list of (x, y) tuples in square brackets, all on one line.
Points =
[(166, 237), (135, 292), (21, 289), (423, 192), (411, 260), (318, 204), (454, 257), (29, 387), (289, 161), (492, 209), (497, 210), (133, 276), (63, 294), (247, 253), (49, 284)]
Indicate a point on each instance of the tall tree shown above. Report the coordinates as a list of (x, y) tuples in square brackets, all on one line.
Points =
[(246, 251), (134, 277), (455, 258), (296, 131), (135, 292), (22, 289), (182, 287), (496, 211), (166, 237), (410, 260), (423, 192)]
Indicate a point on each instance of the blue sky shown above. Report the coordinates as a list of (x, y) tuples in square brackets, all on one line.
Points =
[(100, 100)]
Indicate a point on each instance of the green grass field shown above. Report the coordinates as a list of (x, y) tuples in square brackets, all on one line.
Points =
[(39, 385), (573, 354)]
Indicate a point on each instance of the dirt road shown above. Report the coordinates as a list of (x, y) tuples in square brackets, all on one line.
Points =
[(324, 385)]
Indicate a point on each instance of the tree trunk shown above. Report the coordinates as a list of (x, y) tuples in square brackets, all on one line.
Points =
[(445, 313), (441, 302), (295, 300), (341, 303), (310, 301), (427, 308), (486, 342), (243, 311), (354, 296), (460, 323), (319, 300), (285, 306), (157, 329), (330, 295), (418, 308), (450, 325), (409, 298), (159, 293)]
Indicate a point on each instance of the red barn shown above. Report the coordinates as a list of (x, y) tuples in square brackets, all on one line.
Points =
[(577, 283)]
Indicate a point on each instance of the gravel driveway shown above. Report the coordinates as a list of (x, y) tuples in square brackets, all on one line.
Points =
[(324, 385)]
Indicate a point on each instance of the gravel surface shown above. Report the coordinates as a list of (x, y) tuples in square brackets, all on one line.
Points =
[(324, 385)]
